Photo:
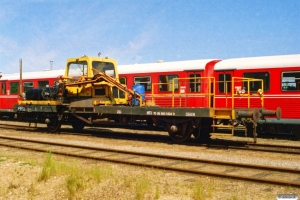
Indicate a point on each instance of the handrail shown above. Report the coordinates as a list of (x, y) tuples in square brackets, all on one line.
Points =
[(242, 92), (210, 89)]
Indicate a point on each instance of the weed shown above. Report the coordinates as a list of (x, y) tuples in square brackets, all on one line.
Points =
[(74, 183), (75, 180), (198, 191), (2, 191), (211, 189), (48, 168), (141, 187), (157, 193), (100, 173)]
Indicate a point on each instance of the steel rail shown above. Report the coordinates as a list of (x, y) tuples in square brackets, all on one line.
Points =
[(253, 179), (18, 127), (273, 145), (248, 146)]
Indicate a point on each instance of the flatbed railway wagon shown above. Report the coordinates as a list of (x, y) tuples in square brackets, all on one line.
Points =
[(90, 92)]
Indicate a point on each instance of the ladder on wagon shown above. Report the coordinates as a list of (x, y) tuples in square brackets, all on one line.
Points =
[(228, 118)]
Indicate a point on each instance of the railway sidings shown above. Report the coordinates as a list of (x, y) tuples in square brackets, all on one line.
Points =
[(230, 170), (180, 185)]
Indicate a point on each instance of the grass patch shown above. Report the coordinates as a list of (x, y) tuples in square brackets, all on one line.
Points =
[(100, 173), (157, 193), (198, 191), (74, 183), (49, 168), (210, 189), (142, 186)]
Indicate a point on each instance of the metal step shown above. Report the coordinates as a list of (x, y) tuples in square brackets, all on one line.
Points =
[(223, 126), (221, 134)]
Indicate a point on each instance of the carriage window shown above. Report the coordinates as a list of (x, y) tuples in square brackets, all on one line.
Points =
[(28, 85), (43, 84), (224, 82), (255, 85), (143, 80), (3, 88), (195, 82), (14, 88), (166, 83), (290, 81)]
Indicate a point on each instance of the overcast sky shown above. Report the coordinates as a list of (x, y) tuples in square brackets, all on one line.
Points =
[(143, 31)]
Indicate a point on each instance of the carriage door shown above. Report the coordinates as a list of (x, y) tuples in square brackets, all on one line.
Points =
[(3, 89), (223, 88), (193, 89)]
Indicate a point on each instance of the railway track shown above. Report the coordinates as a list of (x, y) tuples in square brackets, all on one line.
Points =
[(231, 170), (214, 144)]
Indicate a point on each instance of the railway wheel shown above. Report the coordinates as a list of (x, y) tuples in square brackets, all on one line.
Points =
[(78, 125), (203, 132), (296, 131), (54, 125), (180, 132)]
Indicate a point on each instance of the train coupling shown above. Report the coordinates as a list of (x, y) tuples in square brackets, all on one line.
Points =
[(258, 114), (277, 113)]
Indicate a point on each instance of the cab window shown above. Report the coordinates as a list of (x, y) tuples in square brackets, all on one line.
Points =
[(107, 68), (77, 69), (123, 80)]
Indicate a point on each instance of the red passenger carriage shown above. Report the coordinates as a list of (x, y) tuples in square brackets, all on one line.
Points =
[(281, 87), (187, 77), (10, 87)]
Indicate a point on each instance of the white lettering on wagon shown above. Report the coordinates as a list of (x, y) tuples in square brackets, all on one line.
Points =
[(190, 114), (170, 113), (21, 108), (161, 113), (119, 111)]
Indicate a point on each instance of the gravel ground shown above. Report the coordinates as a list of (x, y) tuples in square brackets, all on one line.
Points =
[(20, 171)]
